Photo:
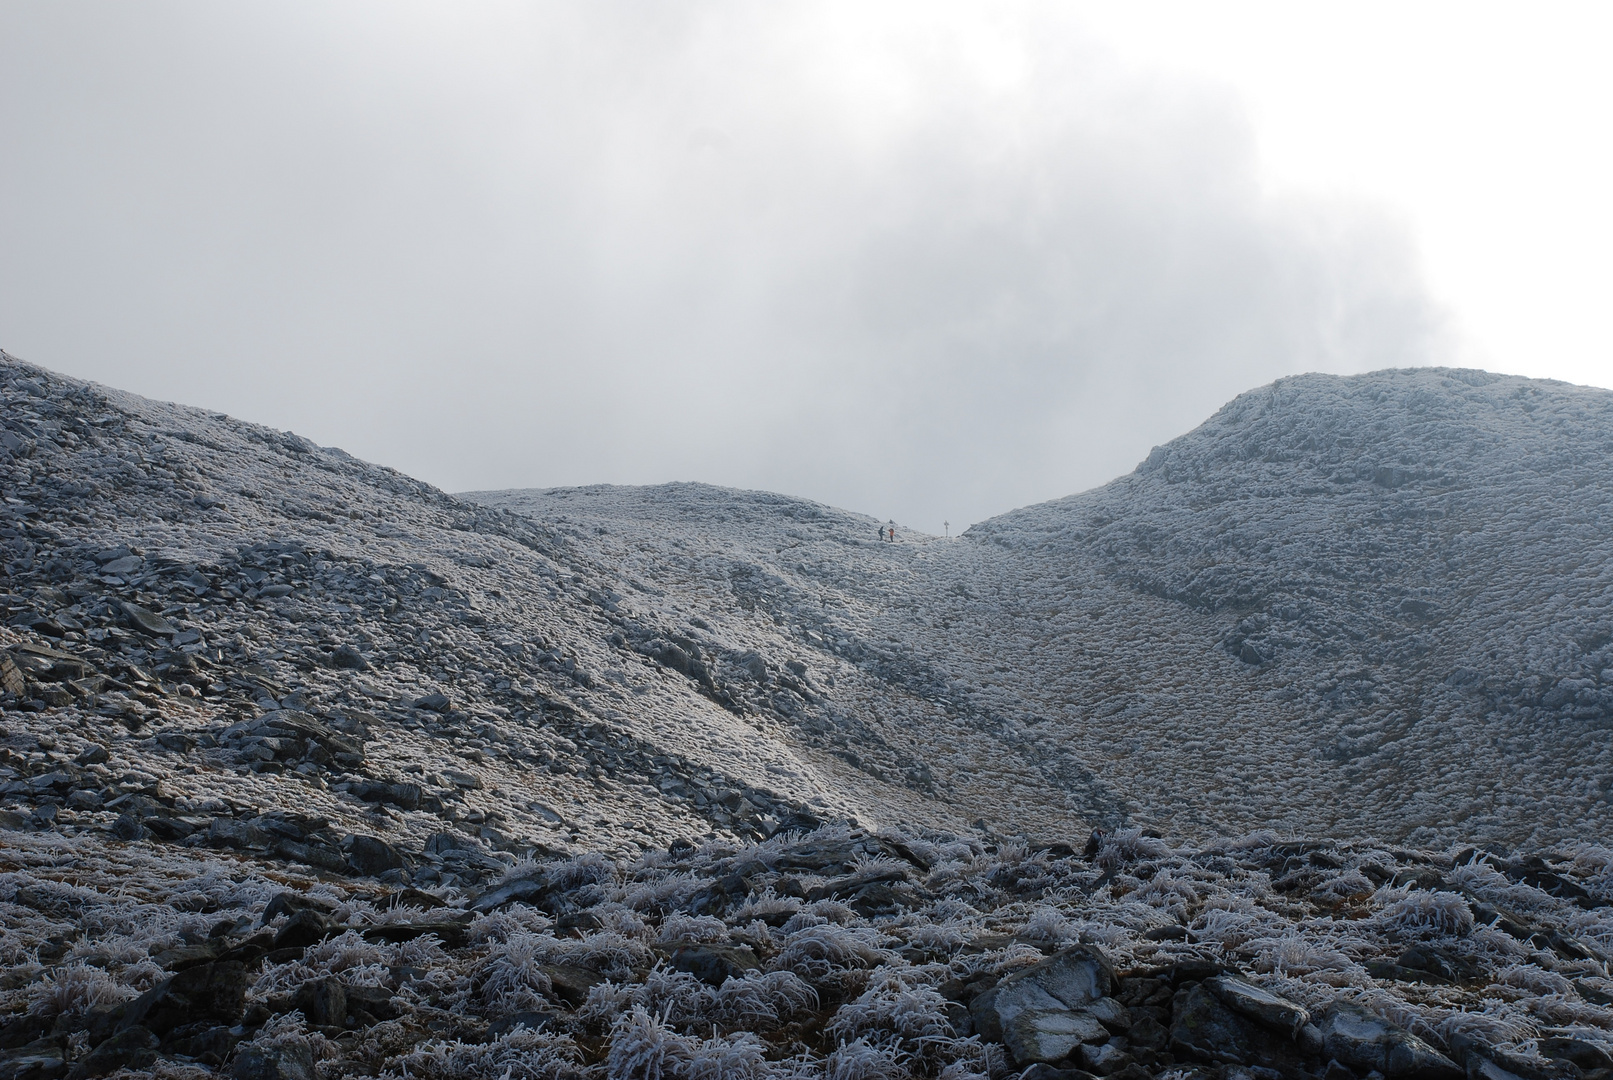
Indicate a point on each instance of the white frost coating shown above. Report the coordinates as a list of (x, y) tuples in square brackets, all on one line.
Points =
[(1379, 604), (1374, 605)]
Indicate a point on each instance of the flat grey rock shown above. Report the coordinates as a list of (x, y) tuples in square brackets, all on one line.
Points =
[(1049, 1035), (1366, 1041), (1244, 997)]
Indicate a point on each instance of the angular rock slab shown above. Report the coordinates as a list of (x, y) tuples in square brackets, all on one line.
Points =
[(1110, 1013), (1065, 980), (714, 964), (1204, 1029), (1104, 1058), (570, 983), (39, 1060), (147, 620), (1366, 1041), (132, 1048), (323, 1002), (1259, 1005), (207, 992), (1048, 1035), (293, 1061)]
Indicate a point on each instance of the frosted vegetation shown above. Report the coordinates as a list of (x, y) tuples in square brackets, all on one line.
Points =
[(838, 953), (308, 769)]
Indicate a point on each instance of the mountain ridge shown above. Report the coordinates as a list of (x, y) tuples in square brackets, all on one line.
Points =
[(308, 769), (1359, 498), (1338, 584)]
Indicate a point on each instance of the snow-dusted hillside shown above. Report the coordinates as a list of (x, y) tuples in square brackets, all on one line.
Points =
[(1410, 569), (1372, 605), (309, 771), (468, 653), (1343, 605)]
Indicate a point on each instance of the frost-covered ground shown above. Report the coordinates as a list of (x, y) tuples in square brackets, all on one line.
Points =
[(1376, 604), (837, 953), (307, 768)]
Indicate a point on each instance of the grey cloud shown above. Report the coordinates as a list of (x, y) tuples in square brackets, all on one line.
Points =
[(914, 261)]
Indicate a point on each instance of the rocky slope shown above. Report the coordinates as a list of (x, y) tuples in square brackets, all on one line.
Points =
[(309, 769), (1375, 604), (1399, 586)]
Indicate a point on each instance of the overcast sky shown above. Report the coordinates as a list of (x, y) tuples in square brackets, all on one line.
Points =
[(929, 262)]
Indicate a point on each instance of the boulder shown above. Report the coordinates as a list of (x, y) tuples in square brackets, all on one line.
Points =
[(1048, 1035), (228, 832), (714, 964), (11, 678), (1203, 1029), (305, 928), (1105, 1059), (439, 842), (207, 992), (841, 887), (1071, 979), (84, 799), (210, 1045), (314, 854), (1149, 1034), (883, 899), (403, 796), (286, 1061), (372, 856), (18, 1031), (1111, 1014), (38, 1060), (184, 957), (349, 658), (1367, 1041), (132, 1048), (323, 1002), (127, 827), (1259, 1005), (572, 983), (461, 779), (147, 621), (451, 930), (525, 890), (1587, 1055), (367, 1004), (252, 949), (289, 903)]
